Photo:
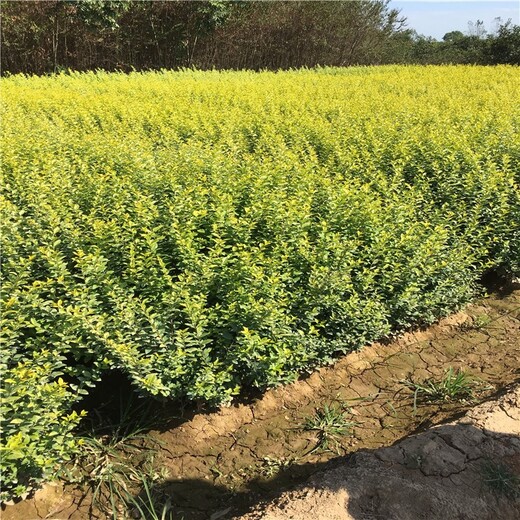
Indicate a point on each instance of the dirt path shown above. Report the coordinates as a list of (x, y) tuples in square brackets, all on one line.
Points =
[(217, 464), (461, 470)]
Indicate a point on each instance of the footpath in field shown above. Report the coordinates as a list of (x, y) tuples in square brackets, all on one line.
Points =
[(466, 469), (216, 465)]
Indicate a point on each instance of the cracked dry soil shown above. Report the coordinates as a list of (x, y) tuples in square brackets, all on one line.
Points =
[(220, 464), (437, 474)]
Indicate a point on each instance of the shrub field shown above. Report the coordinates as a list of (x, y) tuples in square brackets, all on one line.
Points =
[(207, 232)]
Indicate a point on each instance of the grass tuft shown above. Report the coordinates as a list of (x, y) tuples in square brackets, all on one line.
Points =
[(330, 423), (476, 322), (455, 386), (501, 479), (115, 461)]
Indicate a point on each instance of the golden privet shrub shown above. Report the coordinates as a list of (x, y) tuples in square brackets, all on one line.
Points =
[(202, 232)]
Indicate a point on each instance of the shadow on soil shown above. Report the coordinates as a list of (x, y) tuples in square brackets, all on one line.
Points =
[(450, 471)]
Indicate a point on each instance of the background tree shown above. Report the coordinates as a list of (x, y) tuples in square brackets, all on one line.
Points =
[(47, 36), (44, 36), (294, 34), (505, 46)]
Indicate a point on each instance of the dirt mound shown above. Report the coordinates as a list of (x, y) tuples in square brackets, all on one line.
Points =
[(467, 469)]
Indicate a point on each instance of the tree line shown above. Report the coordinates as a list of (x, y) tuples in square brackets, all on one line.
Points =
[(476, 46), (52, 35)]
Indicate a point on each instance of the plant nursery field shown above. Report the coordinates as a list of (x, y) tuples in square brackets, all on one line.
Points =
[(209, 233)]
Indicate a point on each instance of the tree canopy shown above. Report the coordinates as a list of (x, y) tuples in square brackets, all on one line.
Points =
[(48, 36)]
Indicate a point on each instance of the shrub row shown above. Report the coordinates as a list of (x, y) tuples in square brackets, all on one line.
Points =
[(205, 232)]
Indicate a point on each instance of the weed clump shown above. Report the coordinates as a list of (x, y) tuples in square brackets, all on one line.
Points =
[(330, 423), (454, 386), (501, 479)]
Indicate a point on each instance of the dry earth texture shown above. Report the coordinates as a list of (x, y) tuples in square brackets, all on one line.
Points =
[(455, 470)]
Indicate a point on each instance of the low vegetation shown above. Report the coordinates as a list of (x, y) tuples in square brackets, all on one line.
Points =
[(204, 232), (330, 424), (454, 386), (501, 479)]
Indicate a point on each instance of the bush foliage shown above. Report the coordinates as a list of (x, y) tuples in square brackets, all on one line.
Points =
[(205, 232)]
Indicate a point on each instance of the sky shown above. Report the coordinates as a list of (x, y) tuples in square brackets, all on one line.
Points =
[(436, 18)]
